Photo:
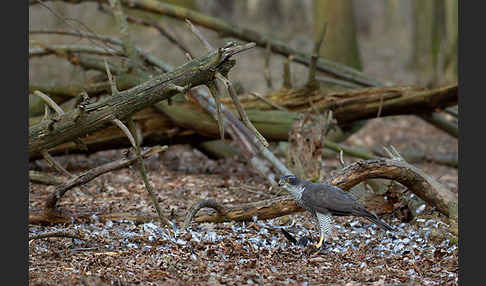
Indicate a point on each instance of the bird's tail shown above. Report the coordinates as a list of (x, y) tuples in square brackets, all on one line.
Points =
[(379, 222)]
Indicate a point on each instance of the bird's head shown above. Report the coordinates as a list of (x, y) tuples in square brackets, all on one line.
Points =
[(292, 184), (288, 181)]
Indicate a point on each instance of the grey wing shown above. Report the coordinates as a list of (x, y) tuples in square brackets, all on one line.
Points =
[(328, 198)]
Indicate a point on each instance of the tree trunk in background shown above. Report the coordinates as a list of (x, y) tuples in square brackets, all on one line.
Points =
[(451, 34), (393, 15), (340, 43), (430, 39), (423, 13)]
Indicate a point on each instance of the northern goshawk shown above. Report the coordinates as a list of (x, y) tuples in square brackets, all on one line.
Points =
[(324, 200)]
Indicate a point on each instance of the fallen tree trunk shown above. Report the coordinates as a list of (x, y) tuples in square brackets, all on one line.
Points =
[(181, 121), (411, 177), (92, 117), (226, 29)]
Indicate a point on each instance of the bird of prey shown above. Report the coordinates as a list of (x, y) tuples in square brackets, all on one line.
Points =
[(324, 201)]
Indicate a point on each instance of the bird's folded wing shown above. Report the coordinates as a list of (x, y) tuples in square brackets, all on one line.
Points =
[(328, 198)]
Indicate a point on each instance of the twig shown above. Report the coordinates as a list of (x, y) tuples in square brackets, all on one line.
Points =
[(53, 163), (240, 109), (380, 107), (128, 45), (214, 93), (208, 103), (89, 175), (154, 61), (267, 101), (78, 32), (287, 77), (199, 205), (125, 130), (45, 178), (64, 49), (349, 151), (388, 152), (315, 56), (163, 32), (252, 189), (200, 36), (241, 134), (143, 172), (61, 233), (264, 170), (414, 156), (47, 113), (341, 159), (157, 26), (135, 144), (50, 102), (114, 90), (266, 71), (251, 137)]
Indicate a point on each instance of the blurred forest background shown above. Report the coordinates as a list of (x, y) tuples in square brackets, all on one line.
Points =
[(401, 42), (401, 52)]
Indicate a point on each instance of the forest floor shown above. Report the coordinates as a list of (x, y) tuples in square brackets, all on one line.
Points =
[(123, 252)]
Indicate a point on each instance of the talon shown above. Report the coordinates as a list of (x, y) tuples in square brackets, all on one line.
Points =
[(318, 245)]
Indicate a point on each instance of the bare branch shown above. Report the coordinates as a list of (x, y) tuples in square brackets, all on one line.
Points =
[(65, 49), (128, 45), (149, 58), (240, 109), (89, 175), (143, 172), (114, 90), (315, 56), (219, 117), (60, 233), (157, 26), (50, 102), (125, 130), (266, 71), (44, 178), (199, 205), (200, 36), (53, 163), (267, 101), (287, 76)]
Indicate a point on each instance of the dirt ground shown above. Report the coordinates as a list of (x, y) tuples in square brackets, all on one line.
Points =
[(122, 252)]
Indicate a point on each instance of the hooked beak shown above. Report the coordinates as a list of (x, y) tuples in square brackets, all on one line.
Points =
[(281, 182)]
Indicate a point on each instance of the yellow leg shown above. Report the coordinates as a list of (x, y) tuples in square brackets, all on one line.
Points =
[(320, 241)]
